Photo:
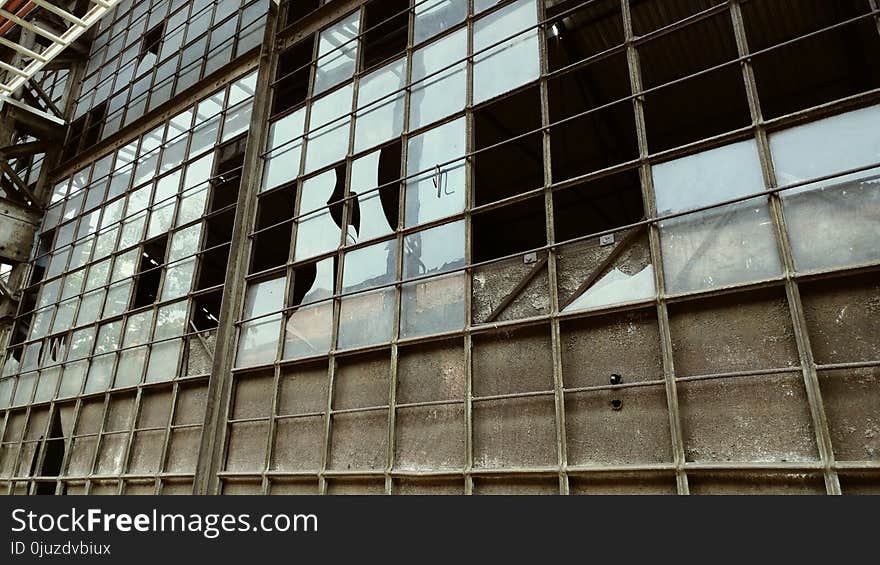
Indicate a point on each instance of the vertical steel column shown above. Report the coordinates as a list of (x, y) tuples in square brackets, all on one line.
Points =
[(219, 387), (635, 76), (808, 367)]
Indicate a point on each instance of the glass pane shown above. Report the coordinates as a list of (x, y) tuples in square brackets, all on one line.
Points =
[(382, 119), (328, 133), (308, 329), (435, 16), (258, 340), (438, 190), (443, 93), (722, 246), (514, 62), (337, 53), (318, 232), (833, 223), (368, 318), (437, 304), (283, 163)]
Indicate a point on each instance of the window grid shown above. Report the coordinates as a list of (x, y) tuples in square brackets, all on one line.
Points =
[(664, 304)]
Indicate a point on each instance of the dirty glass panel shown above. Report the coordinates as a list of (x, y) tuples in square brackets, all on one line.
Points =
[(437, 304), (198, 172), (47, 385), (90, 309), (80, 344), (308, 328), (170, 323), (337, 53), (132, 230), (117, 298), (317, 232), (285, 143), (511, 64), (435, 16), (368, 318), (25, 389), (445, 92), (192, 205), (365, 178), (722, 246), (145, 168), (72, 378), (833, 223), (329, 127), (64, 315), (101, 368), (258, 339), (380, 113), (185, 242), (437, 191), (178, 279), (236, 120), (131, 359), (40, 322)]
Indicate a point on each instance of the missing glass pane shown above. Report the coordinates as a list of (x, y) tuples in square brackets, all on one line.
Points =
[(386, 32), (149, 273)]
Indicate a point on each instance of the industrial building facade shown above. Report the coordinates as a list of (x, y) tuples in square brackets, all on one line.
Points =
[(450, 247)]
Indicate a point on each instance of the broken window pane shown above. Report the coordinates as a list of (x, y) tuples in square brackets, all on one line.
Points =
[(337, 53), (282, 164), (170, 322), (382, 118), (433, 305), (834, 223), (443, 93), (435, 16), (329, 127), (514, 62), (308, 328), (131, 361), (605, 270), (368, 318), (722, 246), (437, 192), (376, 211), (319, 232), (258, 339)]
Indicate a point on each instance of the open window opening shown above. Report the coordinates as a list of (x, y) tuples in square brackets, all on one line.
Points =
[(226, 182), (298, 9), (516, 287), (715, 102), (206, 310), (41, 262), (152, 40), (292, 75), (595, 28), (74, 137), (508, 230), (95, 119), (213, 261), (271, 247), (826, 66), (53, 457), (375, 213), (597, 138), (387, 30), (149, 273), (309, 325), (516, 166), (607, 269)]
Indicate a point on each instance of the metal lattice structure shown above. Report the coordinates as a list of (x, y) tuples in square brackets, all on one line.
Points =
[(463, 247)]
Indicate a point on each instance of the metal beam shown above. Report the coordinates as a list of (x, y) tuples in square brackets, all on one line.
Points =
[(20, 185), (23, 149)]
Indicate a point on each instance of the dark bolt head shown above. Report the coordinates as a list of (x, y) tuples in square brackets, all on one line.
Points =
[(616, 379), (616, 404)]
